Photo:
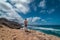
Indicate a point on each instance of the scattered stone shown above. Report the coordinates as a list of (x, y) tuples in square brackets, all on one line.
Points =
[(14, 38)]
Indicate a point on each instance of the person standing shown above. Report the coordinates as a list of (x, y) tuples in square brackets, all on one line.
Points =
[(25, 23)]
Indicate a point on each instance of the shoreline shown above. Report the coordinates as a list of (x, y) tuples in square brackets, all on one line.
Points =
[(20, 34)]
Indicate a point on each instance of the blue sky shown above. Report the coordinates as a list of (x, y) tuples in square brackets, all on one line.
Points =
[(36, 11)]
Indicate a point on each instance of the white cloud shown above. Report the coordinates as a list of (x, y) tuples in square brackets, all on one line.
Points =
[(29, 20), (43, 11), (10, 12), (47, 11), (22, 8), (3, 0), (43, 20), (34, 6), (22, 5), (50, 11), (33, 19), (42, 4), (21, 1)]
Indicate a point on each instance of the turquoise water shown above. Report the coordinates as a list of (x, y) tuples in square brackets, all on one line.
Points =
[(53, 30)]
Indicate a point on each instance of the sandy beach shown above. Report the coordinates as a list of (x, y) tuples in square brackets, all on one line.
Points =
[(7, 33)]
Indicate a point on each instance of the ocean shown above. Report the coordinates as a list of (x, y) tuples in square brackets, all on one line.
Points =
[(48, 29)]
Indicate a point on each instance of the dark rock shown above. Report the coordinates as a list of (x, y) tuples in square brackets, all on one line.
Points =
[(10, 24), (2, 39), (14, 38), (1, 26)]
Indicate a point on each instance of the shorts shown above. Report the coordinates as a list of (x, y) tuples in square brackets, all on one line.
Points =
[(25, 25)]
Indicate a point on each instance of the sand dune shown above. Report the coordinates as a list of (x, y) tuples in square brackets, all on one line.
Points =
[(20, 34)]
